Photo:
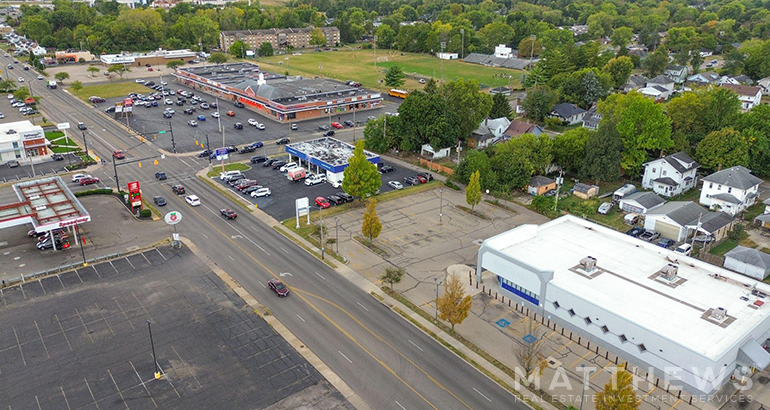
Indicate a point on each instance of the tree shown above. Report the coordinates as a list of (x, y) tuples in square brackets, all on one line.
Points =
[(371, 225), (496, 33), (466, 104), (620, 38), (265, 49), (530, 355), (723, 149), (619, 69), (382, 134), (535, 76), (722, 109), (454, 306), (473, 191), (475, 161), (569, 148), (21, 94), (174, 64), (696, 60), (394, 77), (360, 178), (603, 154), (92, 71), (61, 76), (538, 102), (618, 393), (317, 37), (392, 275), (238, 49), (529, 47), (425, 119), (218, 58), (118, 69), (592, 89), (7, 85), (76, 86), (500, 106), (656, 62)]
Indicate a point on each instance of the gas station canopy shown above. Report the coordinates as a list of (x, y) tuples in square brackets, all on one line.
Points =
[(45, 203)]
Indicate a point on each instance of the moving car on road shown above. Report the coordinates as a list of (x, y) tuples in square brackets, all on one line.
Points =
[(228, 213), (231, 114), (278, 287), (81, 126), (193, 200), (238, 126), (88, 180), (337, 125), (178, 189), (282, 141), (118, 154), (257, 159), (159, 200), (192, 123), (160, 176)]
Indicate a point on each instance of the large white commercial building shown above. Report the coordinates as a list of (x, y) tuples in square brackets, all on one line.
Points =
[(660, 310), (21, 140)]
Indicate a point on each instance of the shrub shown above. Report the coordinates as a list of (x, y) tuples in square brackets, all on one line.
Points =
[(145, 213), (544, 205), (99, 191), (451, 185)]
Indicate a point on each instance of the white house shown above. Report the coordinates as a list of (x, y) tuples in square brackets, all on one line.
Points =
[(503, 51), (37, 50), (748, 95), (764, 84), (568, 113), (748, 261), (641, 202), (671, 219), (489, 130), (678, 73), (671, 175), (656, 92), (731, 190), (663, 81)]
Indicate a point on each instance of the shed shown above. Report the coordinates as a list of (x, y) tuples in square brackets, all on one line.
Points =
[(539, 185), (585, 191), (747, 261), (641, 202)]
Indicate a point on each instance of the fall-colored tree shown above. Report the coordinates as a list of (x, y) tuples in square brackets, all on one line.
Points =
[(473, 191), (618, 394), (454, 306), (371, 226)]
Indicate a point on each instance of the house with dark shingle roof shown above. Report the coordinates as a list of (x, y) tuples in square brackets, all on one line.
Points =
[(749, 96), (592, 118), (539, 185), (671, 219), (713, 224), (567, 113), (634, 82), (641, 202), (731, 190), (671, 175), (678, 73), (747, 261)]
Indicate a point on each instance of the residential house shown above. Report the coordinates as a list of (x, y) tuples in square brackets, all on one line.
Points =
[(671, 219), (748, 261), (713, 224), (539, 185), (634, 82), (488, 131), (37, 50), (641, 202), (671, 175), (704, 78), (585, 191), (567, 113), (521, 127), (744, 79), (663, 81), (704, 52), (678, 73), (764, 84), (659, 88), (731, 190), (516, 106), (592, 118), (749, 96)]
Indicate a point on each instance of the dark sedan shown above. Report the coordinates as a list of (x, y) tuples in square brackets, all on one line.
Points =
[(635, 231), (278, 164), (159, 200), (257, 159), (345, 197), (278, 287), (411, 181), (228, 213), (205, 153), (268, 163), (335, 200), (387, 168), (282, 141)]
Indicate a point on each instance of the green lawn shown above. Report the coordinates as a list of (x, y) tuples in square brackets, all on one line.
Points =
[(116, 89), (754, 211), (61, 149), (52, 135), (358, 65), (229, 167), (723, 247)]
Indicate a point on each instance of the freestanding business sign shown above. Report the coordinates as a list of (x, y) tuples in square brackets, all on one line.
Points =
[(221, 154), (173, 217), (134, 195), (302, 207)]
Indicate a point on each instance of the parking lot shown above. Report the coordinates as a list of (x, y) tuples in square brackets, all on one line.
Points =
[(80, 340), (150, 120), (280, 205)]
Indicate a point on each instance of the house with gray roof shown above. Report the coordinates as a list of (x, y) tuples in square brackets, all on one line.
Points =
[(641, 202), (731, 190), (747, 261), (567, 113), (713, 224), (671, 175), (592, 118), (671, 219), (634, 82), (488, 131), (703, 78), (678, 73)]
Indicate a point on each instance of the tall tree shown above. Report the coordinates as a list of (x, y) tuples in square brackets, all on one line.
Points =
[(61, 76), (371, 225), (265, 49), (464, 101), (454, 306), (621, 36), (118, 69), (500, 107), (529, 47), (360, 178), (619, 69), (723, 149), (317, 37), (394, 77), (538, 102), (592, 89), (174, 64), (21, 94), (238, 49), (603, 154), (686, 112), (656, 62), (92, 71), (618, 393), (392, 275), (569, 148), (475, 161), (722, 110), (531, 355), (425, 119), (473, 190)]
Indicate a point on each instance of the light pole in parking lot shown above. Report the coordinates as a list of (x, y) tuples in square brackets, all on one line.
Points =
[(441, 206), (337, 233), (154, 358), (438, 283)]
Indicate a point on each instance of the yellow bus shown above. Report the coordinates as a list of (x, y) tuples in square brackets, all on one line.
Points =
[(398, 93)]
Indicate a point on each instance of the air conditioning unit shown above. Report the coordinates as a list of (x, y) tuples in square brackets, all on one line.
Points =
[(588, 263), (40, 208), (719, 314), (669, 272)]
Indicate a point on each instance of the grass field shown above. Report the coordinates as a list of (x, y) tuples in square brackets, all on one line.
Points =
[(116, 89), (358, 65)]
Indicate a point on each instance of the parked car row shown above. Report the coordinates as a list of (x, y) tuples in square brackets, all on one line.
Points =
[(47, 240), (421, 178), (654, 237)]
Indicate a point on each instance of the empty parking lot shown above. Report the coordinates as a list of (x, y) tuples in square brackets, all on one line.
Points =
[(80, 340)]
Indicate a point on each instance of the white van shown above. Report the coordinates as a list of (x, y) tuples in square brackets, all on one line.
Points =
[(226, 174), (631, 219), (684, 249)]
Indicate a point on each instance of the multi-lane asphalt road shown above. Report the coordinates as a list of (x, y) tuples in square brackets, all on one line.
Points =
[(388, 362)]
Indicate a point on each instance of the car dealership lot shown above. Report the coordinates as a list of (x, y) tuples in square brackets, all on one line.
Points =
[(280, 205), (149, 120)]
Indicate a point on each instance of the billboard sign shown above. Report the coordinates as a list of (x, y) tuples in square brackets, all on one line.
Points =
[(128, 105), (221, 154), (63, 126), (134, 194), (173, 218)]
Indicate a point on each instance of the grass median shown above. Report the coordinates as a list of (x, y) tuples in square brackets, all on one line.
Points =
[(112, 90), (229, 167)]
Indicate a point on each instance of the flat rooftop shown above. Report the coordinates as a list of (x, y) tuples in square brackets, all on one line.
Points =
[(627, 286), (46, 203), (328, 150)]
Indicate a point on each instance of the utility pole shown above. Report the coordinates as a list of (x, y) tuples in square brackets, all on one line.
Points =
[(223, 144), (443, 44), (462, 47), (85, 142), (321, 210), (441, 206), (115, 168), (171, 130), (559, 181), (154, 358), (375, 55), (208, 147), (531, 50)]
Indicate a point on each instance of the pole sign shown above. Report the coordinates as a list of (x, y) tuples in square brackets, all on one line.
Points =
[(221, 154), (173, 218), (134, 195), (63, 126)]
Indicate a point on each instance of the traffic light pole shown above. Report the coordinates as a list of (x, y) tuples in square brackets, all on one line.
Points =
[(85, 142), (115, 166), (208, 147), (173, 143)]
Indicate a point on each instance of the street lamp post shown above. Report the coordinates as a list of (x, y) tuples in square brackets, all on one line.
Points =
[(115, 168), (441, 206), (85, 142), (462, 46), (583, 392), (154, 358), (208, 148), (438, 283), (321, 210), (337, 233)]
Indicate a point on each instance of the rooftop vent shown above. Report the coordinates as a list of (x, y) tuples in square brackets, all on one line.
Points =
[(40, 208), (588, 263), (34, 197), (719, 314), (669, 272)]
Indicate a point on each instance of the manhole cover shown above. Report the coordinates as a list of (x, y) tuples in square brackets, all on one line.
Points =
[(763, 379)]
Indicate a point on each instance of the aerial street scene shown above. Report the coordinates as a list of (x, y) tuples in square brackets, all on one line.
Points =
[(384, 205)]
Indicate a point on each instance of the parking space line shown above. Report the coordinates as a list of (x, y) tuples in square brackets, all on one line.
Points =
[(677, 402), (120, 393), (142, 306), (570, 342), (104, 319), (129, 262), (113, 267), (21, 286), (142, 383), (163, 372), (41, 286), (648, 393), (124, 313), (19, 344), (62, 330), (186, 365), (549, 336), (97, 272), (67, 402), (581, 358), (601, 370), (41, 339), (84, 325), (38, 403), (161, 255), (3, 297), (145, 258), (81, 279), (92, 393), (501, 316)]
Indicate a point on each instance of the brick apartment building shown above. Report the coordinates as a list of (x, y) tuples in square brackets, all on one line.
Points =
[(280, 38)]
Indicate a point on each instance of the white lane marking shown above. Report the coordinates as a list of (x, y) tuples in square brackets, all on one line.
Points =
[(263, 285), (343, 355), (364, 307), (399, 405), (103, 140), (482, 395), (204, 235), (239, 231), (284, 249), (300, 318), (415, 345), (231, 258), (319, 275), (183, 161)]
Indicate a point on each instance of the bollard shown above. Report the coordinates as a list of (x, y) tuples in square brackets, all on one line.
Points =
[(549, 323), (477, 285), (490, 291), (495, 295), (502, 298), (570, 335), (679, 395), (616, 360), (690, 400), (509, 303), (597, 349), (484, 288), (562, 331), (580, 338), (656, 382), (607, 355), (588, 346)]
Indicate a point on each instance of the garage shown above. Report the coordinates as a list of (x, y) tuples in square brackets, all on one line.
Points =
[(671, 220), (668, 230)]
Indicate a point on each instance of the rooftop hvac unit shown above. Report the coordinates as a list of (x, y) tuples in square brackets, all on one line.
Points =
[(588, 263), (40, 208), (669, 271), (719, 314)]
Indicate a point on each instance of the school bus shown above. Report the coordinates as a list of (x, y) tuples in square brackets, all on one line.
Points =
[(398, 93)]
